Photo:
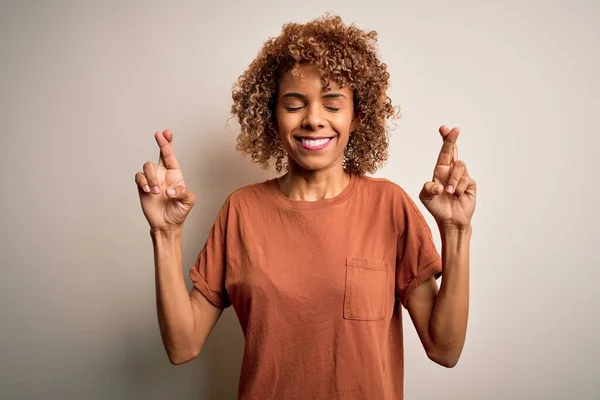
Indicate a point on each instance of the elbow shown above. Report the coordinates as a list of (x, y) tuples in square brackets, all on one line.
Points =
[(446, 362), (180, 350), (181, 355), (445, 359), (178, 358), (445, 353)]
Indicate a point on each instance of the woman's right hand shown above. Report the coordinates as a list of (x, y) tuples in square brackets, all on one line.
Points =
[(165, 199)]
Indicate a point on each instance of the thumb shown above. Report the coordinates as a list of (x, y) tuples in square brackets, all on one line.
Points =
[(181, 194), (429, 191)]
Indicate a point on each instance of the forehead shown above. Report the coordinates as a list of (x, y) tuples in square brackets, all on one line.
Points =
[(307, 79)]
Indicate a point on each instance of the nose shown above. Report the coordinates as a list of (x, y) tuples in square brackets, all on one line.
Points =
[(313, 119)]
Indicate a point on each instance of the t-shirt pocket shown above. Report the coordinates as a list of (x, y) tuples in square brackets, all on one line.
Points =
[(366, 285)]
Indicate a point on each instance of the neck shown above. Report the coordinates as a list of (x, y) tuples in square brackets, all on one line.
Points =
[(303, 185)]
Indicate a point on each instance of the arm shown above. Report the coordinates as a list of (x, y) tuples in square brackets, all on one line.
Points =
[(185, 320), (440, 318)]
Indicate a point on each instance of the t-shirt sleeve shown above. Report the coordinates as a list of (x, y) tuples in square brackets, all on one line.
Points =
[(209, 270), (417, 257)]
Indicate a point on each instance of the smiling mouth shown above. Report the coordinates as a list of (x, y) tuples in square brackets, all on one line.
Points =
[(313, 143)]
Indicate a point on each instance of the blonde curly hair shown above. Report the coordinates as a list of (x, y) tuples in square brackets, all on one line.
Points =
[(342, 53)]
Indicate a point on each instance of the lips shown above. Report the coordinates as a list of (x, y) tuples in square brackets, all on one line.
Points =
[(313, 143)]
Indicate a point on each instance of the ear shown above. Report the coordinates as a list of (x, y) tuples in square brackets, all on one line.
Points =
[(273, 109), (354, 124)]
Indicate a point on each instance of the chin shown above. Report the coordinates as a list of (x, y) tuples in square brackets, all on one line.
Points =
[(313, 165), (328, 159)]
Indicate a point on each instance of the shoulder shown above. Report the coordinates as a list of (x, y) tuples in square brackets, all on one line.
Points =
[(253, 194), (383, 187), (385, 191), (243, 200)]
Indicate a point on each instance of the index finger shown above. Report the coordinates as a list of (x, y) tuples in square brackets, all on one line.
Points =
[(449, 152), (167, 158)]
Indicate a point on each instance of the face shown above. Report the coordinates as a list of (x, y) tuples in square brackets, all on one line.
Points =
[(314, 125)]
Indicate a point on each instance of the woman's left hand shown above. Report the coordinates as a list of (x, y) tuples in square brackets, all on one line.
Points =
[(450, 196)]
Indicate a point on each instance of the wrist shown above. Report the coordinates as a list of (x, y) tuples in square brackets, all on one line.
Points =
[(169, 231), (455, 230)]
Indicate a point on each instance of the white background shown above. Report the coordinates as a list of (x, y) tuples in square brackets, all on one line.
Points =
[(84, 86)]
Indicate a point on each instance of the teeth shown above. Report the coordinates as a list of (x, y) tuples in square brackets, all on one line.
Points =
[(314, 143)]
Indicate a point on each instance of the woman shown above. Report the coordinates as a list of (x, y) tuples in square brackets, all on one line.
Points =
[(317, 261)]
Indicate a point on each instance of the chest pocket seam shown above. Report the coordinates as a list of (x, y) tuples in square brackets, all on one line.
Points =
[(365, 289)]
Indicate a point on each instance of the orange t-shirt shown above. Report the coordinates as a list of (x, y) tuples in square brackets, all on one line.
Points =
[(317, 285)]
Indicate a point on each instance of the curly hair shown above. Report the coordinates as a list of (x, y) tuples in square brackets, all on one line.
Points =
[(342, 53)]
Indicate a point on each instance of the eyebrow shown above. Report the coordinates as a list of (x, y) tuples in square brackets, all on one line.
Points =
[(302, 96), (333, 95)]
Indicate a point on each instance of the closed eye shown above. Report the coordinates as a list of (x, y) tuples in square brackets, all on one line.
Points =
[(294, 109)]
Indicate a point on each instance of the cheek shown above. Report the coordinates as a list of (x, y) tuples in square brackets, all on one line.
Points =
[(343, 122), (279, 123), (286, 122)]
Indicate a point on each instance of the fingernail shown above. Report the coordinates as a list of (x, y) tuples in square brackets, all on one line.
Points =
[(171, 191), (155, 190), (147, 188), (450, 189)]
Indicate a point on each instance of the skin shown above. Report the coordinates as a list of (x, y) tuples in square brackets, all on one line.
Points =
[(440, 316), (185, 319), (303, 108)]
